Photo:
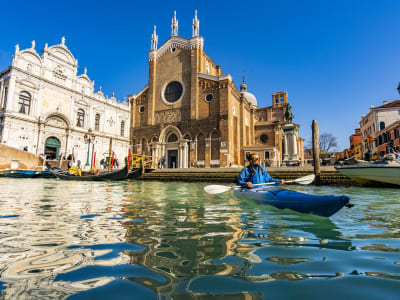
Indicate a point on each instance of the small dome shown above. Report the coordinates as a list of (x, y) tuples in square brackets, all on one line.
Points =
[(250, 97)]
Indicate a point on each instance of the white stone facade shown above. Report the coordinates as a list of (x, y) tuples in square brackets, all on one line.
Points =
[(41, 98)]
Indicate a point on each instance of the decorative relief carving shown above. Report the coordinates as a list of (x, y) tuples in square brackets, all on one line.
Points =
[(111, 122), (56, 122), (170, 115)]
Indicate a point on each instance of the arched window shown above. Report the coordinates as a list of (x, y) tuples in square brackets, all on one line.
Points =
[(122, 128), (382, 125), (97, 122), (144, 147), (80, 118), (24, 104), (215, 146), (172, 138), (201, 147)]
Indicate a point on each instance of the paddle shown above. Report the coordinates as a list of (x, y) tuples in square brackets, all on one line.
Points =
[(218, 189)]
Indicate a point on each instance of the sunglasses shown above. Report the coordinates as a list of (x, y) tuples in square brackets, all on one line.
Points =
[(256, 158)]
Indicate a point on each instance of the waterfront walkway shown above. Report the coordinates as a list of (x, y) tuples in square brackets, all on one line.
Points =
[(329, 176)]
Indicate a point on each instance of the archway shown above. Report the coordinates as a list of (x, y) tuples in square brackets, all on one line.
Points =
[(215, 149), (52, 148), (201, 150)]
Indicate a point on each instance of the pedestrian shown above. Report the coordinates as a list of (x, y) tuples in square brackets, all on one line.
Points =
[(163, 163)]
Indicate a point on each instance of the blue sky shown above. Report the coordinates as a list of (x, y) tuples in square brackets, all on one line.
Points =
[(334, 58)]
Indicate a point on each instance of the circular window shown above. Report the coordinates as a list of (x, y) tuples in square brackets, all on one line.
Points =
[(173, 50), (209, 97), (264, 138), (173, 91), (141, 109)]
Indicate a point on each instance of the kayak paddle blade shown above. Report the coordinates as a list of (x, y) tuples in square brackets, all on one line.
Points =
[(216, 189), (306, 179)]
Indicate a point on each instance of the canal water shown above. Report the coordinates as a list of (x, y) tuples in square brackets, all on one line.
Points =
[(149, 240)]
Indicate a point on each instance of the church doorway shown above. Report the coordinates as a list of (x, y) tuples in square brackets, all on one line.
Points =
[(52, 148), (172, 158)]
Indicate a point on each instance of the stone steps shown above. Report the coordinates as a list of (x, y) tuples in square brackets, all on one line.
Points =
[(328, 177)]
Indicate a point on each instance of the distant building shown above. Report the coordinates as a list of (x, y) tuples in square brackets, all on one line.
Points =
[(46, 108), (325, 158), (390, 136), (376, 120), (342, 154), (190, 112), (355, 144)]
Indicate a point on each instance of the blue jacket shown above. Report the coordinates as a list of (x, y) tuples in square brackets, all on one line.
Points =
[(261, 176)]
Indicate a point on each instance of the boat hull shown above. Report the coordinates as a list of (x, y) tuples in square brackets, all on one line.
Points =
[(134, 174), (372, 174), (116, 175), (19, 174), (324, 206)]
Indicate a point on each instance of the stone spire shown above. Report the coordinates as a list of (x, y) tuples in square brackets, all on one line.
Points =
[(174, 25), (16, 48), (33, 45), (154, 39), (63, 40), (195, 25), (243, 86)]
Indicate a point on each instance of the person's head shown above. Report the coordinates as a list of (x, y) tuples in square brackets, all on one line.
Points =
[(254, 159)]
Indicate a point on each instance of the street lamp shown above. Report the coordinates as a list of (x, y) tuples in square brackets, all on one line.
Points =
[(398, 88), (89, 138)]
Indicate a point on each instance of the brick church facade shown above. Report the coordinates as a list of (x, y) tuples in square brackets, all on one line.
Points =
[(190, 112)]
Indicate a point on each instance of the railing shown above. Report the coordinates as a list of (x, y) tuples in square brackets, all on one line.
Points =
[(143, 161), (214, 162)]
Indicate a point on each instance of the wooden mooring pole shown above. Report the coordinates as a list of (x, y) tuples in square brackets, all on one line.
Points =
[(315, 146)]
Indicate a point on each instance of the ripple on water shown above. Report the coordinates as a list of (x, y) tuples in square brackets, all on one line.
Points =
[(154, 239), (117, 289), (90, 272), (115, 249)]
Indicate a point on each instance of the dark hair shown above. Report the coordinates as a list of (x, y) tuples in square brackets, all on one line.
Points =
[(250, 156)]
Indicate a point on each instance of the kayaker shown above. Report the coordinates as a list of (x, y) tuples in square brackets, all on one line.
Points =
[(254, 173)]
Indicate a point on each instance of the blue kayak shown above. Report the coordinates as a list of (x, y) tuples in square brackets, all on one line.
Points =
[(324, 206)]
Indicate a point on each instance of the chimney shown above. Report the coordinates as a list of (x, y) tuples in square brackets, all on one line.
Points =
[(385, 102)]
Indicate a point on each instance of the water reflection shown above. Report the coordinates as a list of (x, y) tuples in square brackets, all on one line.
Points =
[(74, 239)]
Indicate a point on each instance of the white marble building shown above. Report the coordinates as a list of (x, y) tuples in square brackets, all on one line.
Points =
[(47, 108)]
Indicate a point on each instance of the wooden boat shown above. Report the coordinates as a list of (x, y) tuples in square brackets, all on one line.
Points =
[(19, 173), (114, 175), (135, 173)]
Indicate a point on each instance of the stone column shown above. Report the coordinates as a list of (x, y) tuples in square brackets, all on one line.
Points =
[(286, 146), (185, 151), (294, 145), (207, 156), (72, 113), (12, 105), (39, 100), (180, 157)]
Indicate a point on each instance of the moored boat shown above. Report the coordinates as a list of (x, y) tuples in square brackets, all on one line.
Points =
[(135, 173), (19, 173), (324, 206), (372, 174), (114, 175)]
